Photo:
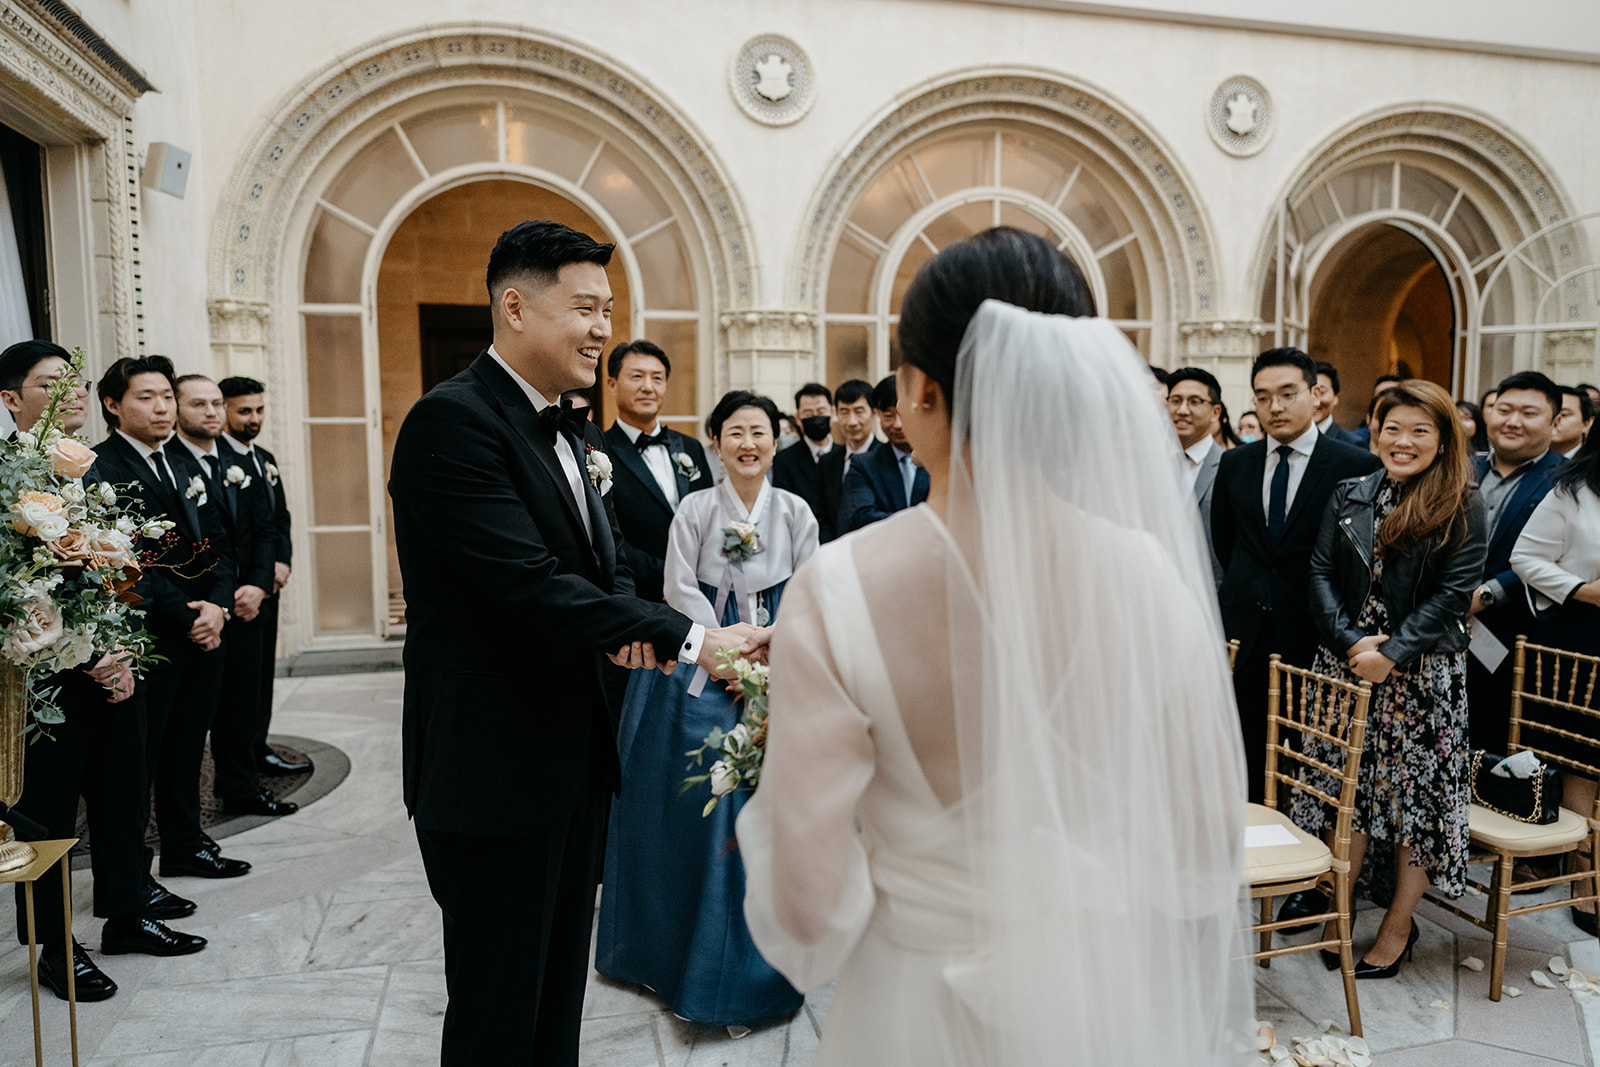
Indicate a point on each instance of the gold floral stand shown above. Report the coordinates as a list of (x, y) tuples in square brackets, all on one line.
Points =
[(47, 855), (14, 855)]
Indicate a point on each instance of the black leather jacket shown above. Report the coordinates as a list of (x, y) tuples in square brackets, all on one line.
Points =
[(1427, 590)]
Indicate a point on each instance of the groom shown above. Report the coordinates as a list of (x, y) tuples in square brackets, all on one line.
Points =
[(515, 601)]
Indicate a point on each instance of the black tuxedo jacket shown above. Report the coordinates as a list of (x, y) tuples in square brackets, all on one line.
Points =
[(277, 504), (1257, 574), (830, 487), (1513, 616), (1344, 436), (642, 509), (510, 714), (186, 572), (248, 514), (874, 490), (819, 482)]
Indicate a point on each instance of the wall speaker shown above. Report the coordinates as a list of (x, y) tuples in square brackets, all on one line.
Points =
[(166, 167)]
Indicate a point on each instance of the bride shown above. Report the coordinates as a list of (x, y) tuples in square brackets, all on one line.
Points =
[(1003, 791)]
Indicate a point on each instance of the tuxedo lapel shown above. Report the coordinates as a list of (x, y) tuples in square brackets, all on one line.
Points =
[(141, 470), (1256, 470), (1310, 484), (674, 450), (183, 473), (627, 454), (1207, 475), (605, 549)]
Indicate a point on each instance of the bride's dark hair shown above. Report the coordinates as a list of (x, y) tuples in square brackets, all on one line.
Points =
[(1004, 263)]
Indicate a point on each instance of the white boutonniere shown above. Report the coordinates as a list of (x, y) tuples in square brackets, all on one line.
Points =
[(237, 476), (740, 542), (686, 466), (272, 473), (196, 491), (599, 465)]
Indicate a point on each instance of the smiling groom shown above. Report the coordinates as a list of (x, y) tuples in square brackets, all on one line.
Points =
[(519, 615)]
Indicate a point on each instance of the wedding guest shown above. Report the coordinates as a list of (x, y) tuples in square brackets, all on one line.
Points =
[(1472, 425), (1399, 553), (1225, 435), (655, 467), (95, 753), (1362, 435), (1266, 504), (1557, 555), (1573, 421), (1194, 403), (1593, 391), (852, 409), (246, 412), (788, 432), (671, 914), (888, 480), (800, 470), (1249, 427), (1328, 402), (1516, 474)]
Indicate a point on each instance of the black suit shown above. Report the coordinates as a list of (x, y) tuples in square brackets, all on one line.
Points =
[(874, 488), (509, 730), (642, 509), (1343, 436), (1264, 591), (265, 464), (818, 481)]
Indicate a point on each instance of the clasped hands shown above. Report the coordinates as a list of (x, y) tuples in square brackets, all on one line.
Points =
[(749, 641), (1367, 662), (114, 670)]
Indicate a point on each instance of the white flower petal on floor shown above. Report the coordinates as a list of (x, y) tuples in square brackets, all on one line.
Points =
[(1558, 967), (1512, 991), (1542, 980), (1472, 963)]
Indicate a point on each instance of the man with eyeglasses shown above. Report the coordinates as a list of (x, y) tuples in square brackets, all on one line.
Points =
[(1265, 514), (1194, 403)]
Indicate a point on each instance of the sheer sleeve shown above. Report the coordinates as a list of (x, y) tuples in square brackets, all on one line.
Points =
[(808, 893), (680, 578)]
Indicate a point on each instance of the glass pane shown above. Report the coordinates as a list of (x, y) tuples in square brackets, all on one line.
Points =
[(894, 347), (1090, 209), (959, 163), (379, 175), (892, 200), (454, 135), (1471, 231), (1359, 191), (1033, 166), (344, 582), (536, 139), (1122, 285), (677, 340), (668, 281), (1425, 193), (339, 475), (851, 277), (333, 366), (847, 352), (918, 254), (625, 192), (1023, 219), (334, 261), (961, 223)]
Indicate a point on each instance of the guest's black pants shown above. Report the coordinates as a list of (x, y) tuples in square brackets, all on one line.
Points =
[(1250, 672), (233, 730), (183, 696), (98, 754), (517, 917)]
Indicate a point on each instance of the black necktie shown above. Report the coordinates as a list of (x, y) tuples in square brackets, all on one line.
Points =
[(645, 440), (211, 471), (163, 475), (1278, 499), (556, 418)]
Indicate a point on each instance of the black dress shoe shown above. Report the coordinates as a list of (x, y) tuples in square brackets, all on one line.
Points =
[(1303, 905), (272, 763), (162, 903), (260, 804), (201, 865), (91, 982), (140, 933), (1372, 970)]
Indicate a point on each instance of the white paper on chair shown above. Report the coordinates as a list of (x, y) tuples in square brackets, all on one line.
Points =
[(1489, 649), (1268, 836)]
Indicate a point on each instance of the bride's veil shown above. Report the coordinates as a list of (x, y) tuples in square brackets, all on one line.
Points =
[(1103, 776)]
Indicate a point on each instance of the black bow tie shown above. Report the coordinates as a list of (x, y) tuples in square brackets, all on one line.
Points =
[(556, 418), (645, 440)]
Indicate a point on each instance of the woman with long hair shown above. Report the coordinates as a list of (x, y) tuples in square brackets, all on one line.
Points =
[(1225, 434), (1472, 426), (958, 690), (1397, 558), (1557, 557)]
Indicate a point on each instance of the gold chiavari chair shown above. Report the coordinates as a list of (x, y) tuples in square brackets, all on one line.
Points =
[(1233, 654), (1306, 705), (1555, 680)]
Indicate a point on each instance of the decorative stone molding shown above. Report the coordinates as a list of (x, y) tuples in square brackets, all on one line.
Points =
[(770, 351), (1240, 118), (775, 330), (1569, 356), (1221, 337), (772, 80)]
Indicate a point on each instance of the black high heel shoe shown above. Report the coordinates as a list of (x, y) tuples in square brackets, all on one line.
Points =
[(1372, 970)]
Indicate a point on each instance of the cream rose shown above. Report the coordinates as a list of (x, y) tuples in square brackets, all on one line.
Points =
[(39, 628), (71, 459), (41, 515), (111, 547), (72, 549)]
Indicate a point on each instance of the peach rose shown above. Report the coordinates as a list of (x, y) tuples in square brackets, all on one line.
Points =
[(71, 459), (72, 549), (41, 515), (111, 548), (39, 628)]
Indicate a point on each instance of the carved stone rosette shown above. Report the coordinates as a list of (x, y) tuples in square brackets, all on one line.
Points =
[(13, 717)]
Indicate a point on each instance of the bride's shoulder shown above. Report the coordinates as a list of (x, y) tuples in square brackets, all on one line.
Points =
[(902, 543)]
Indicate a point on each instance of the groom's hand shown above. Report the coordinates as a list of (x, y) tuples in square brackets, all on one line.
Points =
[(641, 655), (747, 641)]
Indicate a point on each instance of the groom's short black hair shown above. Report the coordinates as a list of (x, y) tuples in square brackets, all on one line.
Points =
[(536, 250)]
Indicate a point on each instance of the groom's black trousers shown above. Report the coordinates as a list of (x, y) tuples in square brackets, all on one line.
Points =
[(518, 912)]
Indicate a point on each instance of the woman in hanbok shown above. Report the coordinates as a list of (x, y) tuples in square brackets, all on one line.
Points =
[(670, 912)]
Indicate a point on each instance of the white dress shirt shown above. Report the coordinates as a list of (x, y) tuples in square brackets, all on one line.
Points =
[(657, 458), (1195, 457), (569, 466), (850, 456), (158, 462), (1325, 425), (200, 454), (818, 451), (1299, 459)]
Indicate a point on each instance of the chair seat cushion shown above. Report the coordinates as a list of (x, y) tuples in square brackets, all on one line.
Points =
[(1306, 858), (1496, 831)]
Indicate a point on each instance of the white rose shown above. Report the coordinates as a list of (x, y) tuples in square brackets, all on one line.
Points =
[(75, 648), (737, 738), (723, 778), (48, 523), (108, 493), (72, 493), (26, 439), (37, 630), (126, 525)]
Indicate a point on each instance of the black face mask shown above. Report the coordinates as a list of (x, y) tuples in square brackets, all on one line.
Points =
[(817, 427)]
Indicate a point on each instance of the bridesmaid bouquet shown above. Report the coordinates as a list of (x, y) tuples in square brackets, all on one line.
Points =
[(740, 750), (67, 558)]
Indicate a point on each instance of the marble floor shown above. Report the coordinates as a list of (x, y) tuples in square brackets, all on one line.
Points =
[(328, 954)]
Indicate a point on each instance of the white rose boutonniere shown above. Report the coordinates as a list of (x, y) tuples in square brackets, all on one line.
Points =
[(686, 466), (739, 542), (196, 491), (237, 476), (272, 473), (599, 465)]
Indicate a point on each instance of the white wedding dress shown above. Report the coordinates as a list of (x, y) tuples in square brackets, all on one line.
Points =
[(1006, 811)]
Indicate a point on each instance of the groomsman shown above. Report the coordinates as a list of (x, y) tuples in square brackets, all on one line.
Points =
[(1328, 403), (96, 753), (654, 467), (888, 479), (246, 411), (1194, 403), (800, 470), (1266, 511)]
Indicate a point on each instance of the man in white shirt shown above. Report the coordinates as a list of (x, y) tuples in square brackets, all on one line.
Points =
[(1194, 403)]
